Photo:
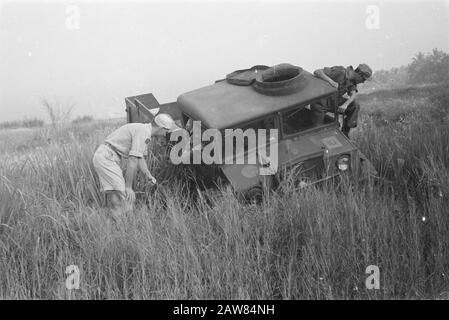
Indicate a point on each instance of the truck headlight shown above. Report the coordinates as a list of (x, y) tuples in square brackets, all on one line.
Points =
[(343, 162)]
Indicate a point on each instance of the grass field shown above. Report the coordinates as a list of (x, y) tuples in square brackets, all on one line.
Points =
[(316, 243)]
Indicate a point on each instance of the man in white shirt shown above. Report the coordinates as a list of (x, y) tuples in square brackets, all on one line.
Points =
[(130, 141)]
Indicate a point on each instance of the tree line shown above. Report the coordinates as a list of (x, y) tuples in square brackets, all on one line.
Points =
[(425, 68)]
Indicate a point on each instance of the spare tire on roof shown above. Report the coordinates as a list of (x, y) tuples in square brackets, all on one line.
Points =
[(282, 79), (245, 77)]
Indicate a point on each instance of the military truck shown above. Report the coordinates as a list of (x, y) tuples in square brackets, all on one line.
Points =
[(277, 97)]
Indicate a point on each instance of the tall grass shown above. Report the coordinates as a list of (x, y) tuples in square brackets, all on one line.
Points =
[(315, 243)]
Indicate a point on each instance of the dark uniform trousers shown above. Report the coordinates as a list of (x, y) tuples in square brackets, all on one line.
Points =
[(351, 114), (347, 85)]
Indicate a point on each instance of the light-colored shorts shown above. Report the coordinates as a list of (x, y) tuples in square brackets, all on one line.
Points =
[(107, 165)]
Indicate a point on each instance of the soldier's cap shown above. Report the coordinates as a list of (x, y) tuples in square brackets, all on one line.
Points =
[(164, 120), (364, 70)]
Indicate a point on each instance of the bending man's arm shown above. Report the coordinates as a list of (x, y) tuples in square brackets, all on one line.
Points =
[(352, 96), (320, 74), (142, 166), (131, 169)]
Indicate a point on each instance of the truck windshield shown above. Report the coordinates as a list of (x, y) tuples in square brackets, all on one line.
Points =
[(250, 133)]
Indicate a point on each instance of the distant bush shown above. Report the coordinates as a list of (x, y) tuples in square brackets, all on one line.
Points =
[(388, 79), (425, 68), (58, 113), (25, 123), (83, 119), (429, 68)]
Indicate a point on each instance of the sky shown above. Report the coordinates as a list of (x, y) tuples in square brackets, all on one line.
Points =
[(94, 54)]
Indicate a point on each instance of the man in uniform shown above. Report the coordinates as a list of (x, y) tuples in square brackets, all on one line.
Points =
[(129, 142), (346, 81)]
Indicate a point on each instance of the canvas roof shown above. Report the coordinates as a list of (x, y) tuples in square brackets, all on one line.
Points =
[(223, 105)]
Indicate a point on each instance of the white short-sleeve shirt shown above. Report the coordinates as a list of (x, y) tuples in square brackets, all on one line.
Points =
[(130, 139)]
